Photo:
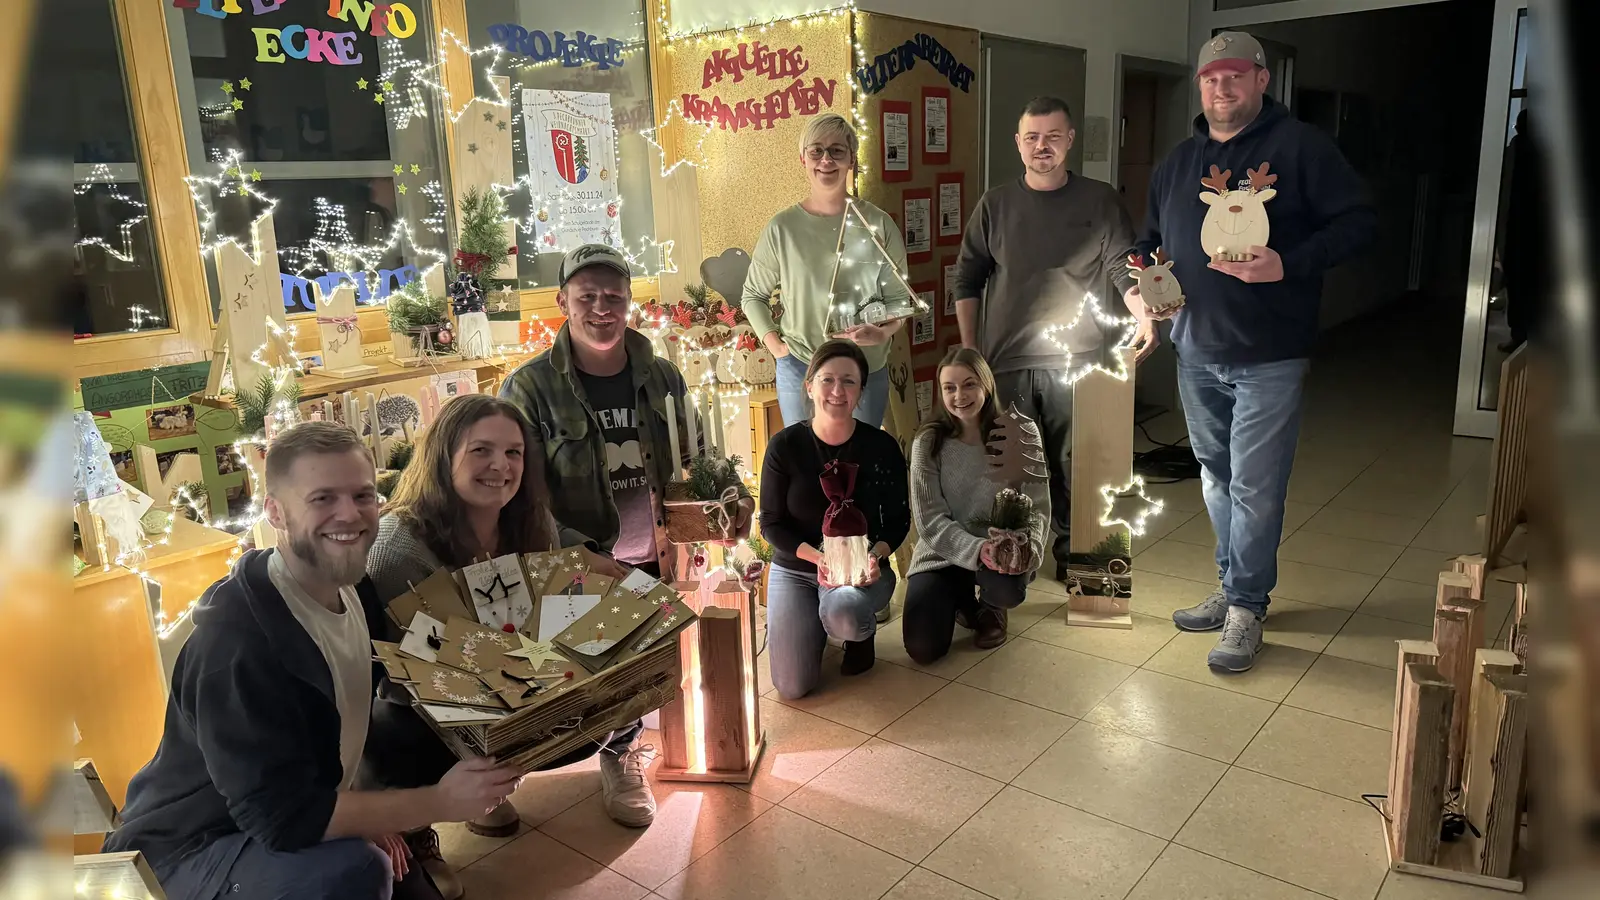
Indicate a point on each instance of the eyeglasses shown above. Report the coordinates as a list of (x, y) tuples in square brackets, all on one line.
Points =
[(839, 154)]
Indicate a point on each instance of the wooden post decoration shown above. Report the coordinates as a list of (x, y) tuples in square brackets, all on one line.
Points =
[(1416, 808), (250, 297), (339, 332), (1494, 802), (1458, 630), (1423, 652), (1099, 575), (183, 468), (1237, 219)]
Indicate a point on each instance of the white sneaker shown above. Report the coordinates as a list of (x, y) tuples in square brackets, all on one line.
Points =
[(623, 788)]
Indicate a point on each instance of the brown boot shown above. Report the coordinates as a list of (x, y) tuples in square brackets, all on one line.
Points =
[(424, 845), (500, 822), (990, 628)]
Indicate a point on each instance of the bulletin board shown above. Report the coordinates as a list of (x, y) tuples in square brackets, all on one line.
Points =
[(930, 70), (756, 89)]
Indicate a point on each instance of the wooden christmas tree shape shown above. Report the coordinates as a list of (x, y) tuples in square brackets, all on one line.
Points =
[(1016, 453)]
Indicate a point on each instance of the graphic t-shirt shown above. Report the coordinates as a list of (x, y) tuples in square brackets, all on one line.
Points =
[(614, 403)]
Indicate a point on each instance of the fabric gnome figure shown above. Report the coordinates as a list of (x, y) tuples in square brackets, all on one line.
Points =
[(846, 551), (468, 302)]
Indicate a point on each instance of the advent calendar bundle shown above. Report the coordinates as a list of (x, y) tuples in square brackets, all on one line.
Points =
[(526, 657)]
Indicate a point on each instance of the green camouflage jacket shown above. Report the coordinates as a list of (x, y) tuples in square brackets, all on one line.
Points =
[(547, 389)]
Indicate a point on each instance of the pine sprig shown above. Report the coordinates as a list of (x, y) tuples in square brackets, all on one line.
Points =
[(484, 232), (1012, 511), (699, 295), (254, 405), (412, 307), (709, 476)]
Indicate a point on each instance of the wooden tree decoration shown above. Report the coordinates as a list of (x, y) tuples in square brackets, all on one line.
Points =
[(251, 296), (1016, 458)]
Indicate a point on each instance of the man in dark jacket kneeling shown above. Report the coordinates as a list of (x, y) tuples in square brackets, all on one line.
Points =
[(253, 790)]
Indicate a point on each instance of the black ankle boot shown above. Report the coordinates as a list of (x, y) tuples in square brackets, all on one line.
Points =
[(858, 657)]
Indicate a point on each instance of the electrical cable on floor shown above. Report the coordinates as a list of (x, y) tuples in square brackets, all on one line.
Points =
[(1452, 824), (1166, 463)]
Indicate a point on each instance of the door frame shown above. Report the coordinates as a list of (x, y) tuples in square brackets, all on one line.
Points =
[(1470, 419), (986, 41), (1127, 62)]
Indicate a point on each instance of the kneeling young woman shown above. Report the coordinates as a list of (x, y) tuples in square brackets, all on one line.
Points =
[(865, 474), (955, 574)]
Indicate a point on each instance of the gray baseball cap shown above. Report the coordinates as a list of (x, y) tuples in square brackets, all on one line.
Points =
[(591, 255), (1231, 50)]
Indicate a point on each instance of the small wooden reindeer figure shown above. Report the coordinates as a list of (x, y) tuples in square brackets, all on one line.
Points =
[(1157, 285), (1237, 219)]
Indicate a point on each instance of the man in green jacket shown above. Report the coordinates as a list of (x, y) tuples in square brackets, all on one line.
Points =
[(598, 398)]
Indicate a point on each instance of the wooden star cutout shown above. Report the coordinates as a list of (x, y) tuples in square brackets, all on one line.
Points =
[(361, 84), (377, 98), (488, 115), (472, 148), (238, 104), (1128, 506), (500, 125), (227, 87), (536, 652), (244, 83)]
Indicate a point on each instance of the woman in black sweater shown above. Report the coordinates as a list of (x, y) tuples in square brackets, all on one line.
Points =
[(804, 603)]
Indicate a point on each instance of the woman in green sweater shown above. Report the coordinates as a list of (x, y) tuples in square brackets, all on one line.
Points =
[(797, 252), (955, 574)]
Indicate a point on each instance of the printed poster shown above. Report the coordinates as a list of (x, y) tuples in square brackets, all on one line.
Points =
[(919, 235), (950, 289), (922, 323), (936, 122), (949, 209), (924, 400), (572, 160), (897, 141)]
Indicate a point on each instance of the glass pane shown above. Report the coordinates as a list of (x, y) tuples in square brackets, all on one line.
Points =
[(1513, 254), (565, 51), (1241, 4), (331, 118), (117, 282)]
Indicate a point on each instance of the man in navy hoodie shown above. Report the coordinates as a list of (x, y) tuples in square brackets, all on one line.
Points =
[(252, 792), (1245, 334)]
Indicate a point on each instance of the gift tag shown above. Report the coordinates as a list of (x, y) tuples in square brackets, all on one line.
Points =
[(639, 581), (423, 638), (499, 593), (558, 611), (437, 595), (595, 637)]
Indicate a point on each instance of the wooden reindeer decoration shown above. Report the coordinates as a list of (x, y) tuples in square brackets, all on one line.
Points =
[(1237, 219), (1157, 285)]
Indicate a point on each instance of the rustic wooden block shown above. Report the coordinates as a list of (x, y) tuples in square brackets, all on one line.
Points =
[(1458, 630), (1453, 586), (722, 686), (1494, 800), (1417, 807), (1426, 653), (1475, 568)]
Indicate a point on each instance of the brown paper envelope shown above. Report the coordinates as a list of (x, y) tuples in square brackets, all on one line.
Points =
[(441, 684), (389, 654), (472, 647), (596, 637), (657, 630), (436, 595)]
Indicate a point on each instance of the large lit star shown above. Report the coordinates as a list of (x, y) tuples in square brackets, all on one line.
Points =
[(1128, 506), (692, 150)]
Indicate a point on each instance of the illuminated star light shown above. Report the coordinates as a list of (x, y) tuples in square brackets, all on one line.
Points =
[(1129, 506), (695, 159), (1091, 306), (230, 179)]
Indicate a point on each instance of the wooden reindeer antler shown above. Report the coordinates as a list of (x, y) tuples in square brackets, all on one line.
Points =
[(1259, 179), (1135, 261), (1218, 181), (1160, 256)]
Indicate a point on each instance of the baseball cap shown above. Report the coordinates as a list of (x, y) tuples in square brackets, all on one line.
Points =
[(591, 255), (1230, 50)]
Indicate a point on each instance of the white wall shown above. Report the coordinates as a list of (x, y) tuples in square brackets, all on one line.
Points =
[(1158, 29)]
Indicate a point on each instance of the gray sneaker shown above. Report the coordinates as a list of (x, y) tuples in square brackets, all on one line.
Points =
[(1208, 616), (883, 614), (1240, 642)]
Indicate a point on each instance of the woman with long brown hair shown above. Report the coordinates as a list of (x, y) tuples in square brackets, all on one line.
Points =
[(475, 489), (955, 574)]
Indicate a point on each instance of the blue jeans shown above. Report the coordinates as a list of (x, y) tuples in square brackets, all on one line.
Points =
[(801, 616), (792, 394), (240, 866), (1244, 421)]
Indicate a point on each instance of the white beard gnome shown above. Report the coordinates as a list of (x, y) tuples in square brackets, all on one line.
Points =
[(846, 550)]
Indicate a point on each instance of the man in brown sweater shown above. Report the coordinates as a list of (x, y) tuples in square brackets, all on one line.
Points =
[(1032, 251)]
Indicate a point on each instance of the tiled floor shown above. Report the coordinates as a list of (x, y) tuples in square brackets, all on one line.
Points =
[(1085, 763)]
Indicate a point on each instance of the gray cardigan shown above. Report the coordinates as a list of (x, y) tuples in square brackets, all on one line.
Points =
[(950, 489), (398, 559)]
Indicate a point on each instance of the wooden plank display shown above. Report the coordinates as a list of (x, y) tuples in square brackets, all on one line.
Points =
[(1451, 631), (721, 740), (1099, 572), (1486, 663), (339, 333), (1417, 805), (1453, 587), (1425, 653), (1508, 472), (250, 297), (1494, 805), (483, 136)]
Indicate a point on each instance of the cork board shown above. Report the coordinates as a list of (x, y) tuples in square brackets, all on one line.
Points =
[(933, 74), (759, 89)]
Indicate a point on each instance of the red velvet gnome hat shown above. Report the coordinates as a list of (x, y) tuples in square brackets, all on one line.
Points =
[(843, 519)]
